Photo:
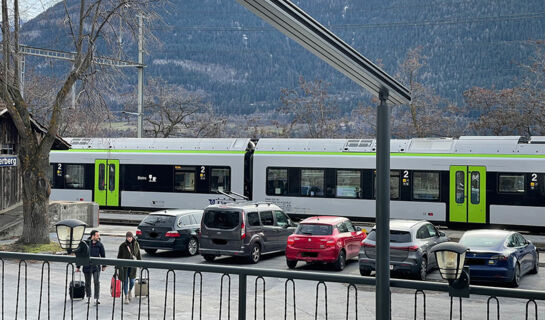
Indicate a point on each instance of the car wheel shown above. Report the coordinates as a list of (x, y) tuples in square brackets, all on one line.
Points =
[(341, 261), (536, 265), (365, 272), (209, 257), (423, 271), (150, 251), (291, 263), (192, 247), (255, 253), (515, 282)]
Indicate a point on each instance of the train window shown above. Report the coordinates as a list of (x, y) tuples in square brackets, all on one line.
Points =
[(111, 177), (277, 181), (511, 183), (221, 180), (348, 184), (425, 185), (312, 182), (460, 186), (74, 176), (184, 179), (394, 184), (101, 176), (475, 187)]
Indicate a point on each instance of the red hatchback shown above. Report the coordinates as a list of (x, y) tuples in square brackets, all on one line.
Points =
[(324, 239)]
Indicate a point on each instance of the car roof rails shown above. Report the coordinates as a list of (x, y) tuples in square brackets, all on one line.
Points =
[(258, 203)]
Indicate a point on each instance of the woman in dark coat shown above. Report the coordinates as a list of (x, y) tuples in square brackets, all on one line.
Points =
[(129, 249)]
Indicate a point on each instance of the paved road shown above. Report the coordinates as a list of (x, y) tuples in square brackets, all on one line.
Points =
[(402, 300)]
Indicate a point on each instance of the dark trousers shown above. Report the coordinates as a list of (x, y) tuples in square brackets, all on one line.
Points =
[(96, 280)]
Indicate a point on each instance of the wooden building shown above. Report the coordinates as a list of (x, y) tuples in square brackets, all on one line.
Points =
[(10, 174)]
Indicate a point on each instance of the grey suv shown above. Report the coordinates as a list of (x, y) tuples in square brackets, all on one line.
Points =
[(410, 244), (246, 229)]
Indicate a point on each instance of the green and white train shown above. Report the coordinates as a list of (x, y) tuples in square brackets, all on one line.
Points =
[(470, 180)]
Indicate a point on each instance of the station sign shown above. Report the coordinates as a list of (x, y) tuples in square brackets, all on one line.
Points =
[(8, 161)]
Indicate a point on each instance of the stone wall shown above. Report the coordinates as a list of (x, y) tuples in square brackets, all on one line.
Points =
[(84, 211)]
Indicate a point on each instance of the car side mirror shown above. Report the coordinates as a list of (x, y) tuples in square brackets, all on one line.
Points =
[(440, 234), (358, 228), (285, 226)]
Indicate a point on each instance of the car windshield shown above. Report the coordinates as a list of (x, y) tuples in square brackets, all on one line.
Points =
[(157, 220), (221, 219), (488, 240), (395, 236), (314, 229)]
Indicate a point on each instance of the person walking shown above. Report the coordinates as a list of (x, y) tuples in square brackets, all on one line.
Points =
[(96, 249), (129, 249)]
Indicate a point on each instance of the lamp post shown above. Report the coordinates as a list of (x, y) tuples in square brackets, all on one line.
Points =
[(450, 257), (139, 122), (69, 233)]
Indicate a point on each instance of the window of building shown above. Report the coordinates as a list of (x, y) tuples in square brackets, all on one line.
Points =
[(511, 183), (74, 176), (7, 148), (277, 181), (312, 182), (221, 180), (184, 179), (425, 185), (348, 184)]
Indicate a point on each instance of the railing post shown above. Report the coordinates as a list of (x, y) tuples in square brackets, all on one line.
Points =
[(242, 297)]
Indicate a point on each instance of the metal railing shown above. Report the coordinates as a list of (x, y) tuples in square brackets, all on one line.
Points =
[(279, 302)]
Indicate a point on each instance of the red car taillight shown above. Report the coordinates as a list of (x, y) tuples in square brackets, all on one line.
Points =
[(138, 232), (172, 234), (331, 243), (242, 228), (411, 248), (291, 241)]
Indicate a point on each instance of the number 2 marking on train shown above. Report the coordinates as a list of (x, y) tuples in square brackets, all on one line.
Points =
[(202, 169), (534, 177), (406, 174)]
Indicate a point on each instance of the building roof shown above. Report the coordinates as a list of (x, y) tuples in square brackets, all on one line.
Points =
[(59, 144)]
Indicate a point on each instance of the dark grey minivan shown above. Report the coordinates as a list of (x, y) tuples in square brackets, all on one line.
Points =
[(246, 229)]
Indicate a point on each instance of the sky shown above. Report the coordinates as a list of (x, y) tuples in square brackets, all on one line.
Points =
[(31, 8)]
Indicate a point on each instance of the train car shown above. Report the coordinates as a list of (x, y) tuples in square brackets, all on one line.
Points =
[(150, 173), (470, 180)]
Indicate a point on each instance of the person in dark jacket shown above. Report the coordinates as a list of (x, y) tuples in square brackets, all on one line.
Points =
[(129, 249), (96, 249)]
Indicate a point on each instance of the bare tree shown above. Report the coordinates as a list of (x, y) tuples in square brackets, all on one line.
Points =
[(89, 26), (173, 111), (310, 107)]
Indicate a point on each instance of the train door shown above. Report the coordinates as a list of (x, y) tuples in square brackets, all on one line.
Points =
[(107, 183), (467, 194)]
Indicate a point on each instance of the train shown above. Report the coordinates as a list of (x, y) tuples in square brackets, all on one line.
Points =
[(469, 180)]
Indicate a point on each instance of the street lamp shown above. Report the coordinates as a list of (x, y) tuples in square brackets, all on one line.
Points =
[(450, 257), (139, 122), (69, 233)]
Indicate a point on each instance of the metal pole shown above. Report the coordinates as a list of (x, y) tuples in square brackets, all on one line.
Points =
[(140, 74), (383, 208), (241, 297)]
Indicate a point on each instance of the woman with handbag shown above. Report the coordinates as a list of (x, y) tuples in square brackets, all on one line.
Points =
[(129, 249)]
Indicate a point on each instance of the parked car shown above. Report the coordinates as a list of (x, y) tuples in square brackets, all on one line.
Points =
[(410, 245), (246, 229), (499, 256), (324, 239), (175, 230)]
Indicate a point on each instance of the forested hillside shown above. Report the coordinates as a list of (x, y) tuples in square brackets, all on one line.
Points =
[(241, 63)]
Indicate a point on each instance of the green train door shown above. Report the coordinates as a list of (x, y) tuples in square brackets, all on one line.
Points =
[(467, 194), (107, 182)]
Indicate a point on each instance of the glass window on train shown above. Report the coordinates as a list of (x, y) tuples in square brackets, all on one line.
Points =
[(74, 176), (394, 184), (348, 184), (475, 187), (312, 182), (511, 183), (460, 186), (221, 180), (184, 179), (425, 185), (101, 176), (277, 181)]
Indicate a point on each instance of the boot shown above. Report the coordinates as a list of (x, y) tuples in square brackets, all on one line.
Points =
[(126, 300), (130, 295)]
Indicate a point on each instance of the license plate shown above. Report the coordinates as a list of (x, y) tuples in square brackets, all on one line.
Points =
[(391, 267)]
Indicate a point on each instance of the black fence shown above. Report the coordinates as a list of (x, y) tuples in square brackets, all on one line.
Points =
[(36, 286)]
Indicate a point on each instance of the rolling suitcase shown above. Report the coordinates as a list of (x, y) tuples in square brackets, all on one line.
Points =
[(77, 288), (115, 287), (144, 285)]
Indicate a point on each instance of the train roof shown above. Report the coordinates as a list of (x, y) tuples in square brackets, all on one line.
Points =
[(462, 145), (208, 144)]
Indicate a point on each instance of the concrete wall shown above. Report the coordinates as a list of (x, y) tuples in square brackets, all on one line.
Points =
[(84, 211)]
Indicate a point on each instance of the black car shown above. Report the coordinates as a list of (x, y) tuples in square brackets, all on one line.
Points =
[(174, 230)]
